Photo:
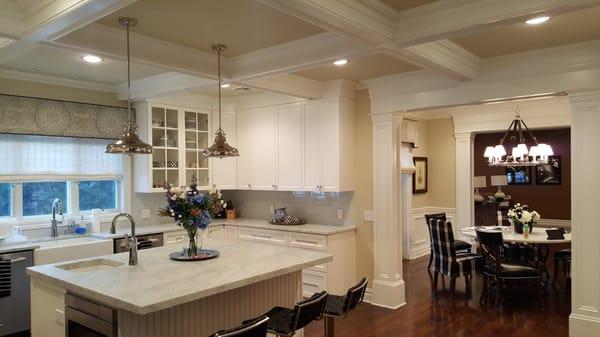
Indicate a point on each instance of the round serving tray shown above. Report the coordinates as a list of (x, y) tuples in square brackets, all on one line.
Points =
[(203, 254)]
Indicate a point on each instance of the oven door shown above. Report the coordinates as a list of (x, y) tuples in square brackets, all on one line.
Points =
[(88, 319)]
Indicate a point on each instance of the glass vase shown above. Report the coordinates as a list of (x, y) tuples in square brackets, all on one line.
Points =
[(191, 248)]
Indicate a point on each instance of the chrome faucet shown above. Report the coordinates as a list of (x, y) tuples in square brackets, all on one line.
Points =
[(57, 207), (130, 242)]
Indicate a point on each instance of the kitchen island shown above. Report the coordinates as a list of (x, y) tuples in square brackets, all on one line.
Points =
[(161, 297)]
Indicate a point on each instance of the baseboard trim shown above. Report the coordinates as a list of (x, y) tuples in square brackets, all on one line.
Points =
[(390, 295), (368, 295), (583, 326)]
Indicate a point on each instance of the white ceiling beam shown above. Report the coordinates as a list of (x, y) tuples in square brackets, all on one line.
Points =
[(48, 21), (442, 57), (54, 80), (451, 18), (292, 85), (163, 84)]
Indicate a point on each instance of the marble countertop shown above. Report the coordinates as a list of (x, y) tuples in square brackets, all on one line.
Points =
[(16, 243), (158, 283)]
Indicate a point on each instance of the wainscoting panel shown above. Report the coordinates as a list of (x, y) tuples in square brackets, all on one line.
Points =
[(418, 240)]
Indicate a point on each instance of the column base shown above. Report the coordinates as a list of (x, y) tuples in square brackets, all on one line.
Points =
[(583, 326), (390, 295)]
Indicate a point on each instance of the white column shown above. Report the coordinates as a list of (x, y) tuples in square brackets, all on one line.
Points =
[(388, 286), (585, 214), (465, 209)]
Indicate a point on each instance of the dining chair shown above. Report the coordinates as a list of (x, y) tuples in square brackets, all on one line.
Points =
[(256, 327), (339, 306), (445, 259), (558, 257), (459, 245), (284, 322), (500, 271)]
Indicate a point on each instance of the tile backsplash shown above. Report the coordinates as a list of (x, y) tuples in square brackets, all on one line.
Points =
[(313, 208)]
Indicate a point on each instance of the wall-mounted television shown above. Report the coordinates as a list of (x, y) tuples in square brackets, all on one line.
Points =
[(518, 175)]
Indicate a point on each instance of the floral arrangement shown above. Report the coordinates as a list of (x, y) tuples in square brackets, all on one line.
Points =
[(215, 203), (521, 215), (189, 208)]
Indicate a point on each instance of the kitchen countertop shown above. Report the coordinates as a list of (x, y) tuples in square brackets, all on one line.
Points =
[(17, 243), (138, 289)]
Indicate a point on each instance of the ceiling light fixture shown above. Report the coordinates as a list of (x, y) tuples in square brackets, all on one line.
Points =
[(340, 62), (220, 148), (225, 85), (537, 20), (521, 155), (129, 142), (91, 59)]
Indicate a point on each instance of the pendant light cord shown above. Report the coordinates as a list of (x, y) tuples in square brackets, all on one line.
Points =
[(219, 74), (128, 78)]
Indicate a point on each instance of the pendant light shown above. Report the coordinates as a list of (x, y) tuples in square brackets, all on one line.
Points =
[(220, 148), (129, 142), (521, 155)]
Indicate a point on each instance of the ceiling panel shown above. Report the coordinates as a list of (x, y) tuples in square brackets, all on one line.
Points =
[(228, 92), (359, 69), (244, 25), (68, 64), (402, 5), (564, 29)]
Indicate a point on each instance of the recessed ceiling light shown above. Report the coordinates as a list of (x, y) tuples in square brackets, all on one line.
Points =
[(225, 85), (537, 20), (92, 59), (340, 62)]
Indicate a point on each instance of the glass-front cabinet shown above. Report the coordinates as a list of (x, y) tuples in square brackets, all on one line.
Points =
[(178, 136)]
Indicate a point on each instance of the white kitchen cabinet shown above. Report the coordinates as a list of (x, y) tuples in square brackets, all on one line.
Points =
[(178, 136), (224, 170), (328, 145), (289, 147), (256, 143)]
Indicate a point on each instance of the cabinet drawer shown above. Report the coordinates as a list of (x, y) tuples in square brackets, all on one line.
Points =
[(171, 238), (313, 282), (308, 241), (263, 235), (322, 268)]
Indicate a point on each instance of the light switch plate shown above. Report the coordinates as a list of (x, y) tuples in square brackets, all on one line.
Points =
[(368, 216), (60, 317), (146, 214), (340, 214)]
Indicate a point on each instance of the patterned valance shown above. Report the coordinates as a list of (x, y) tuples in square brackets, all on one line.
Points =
[(45, 117)]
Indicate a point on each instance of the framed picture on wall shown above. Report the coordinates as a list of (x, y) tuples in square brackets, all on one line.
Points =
[(518, 175), (548, 174), (420, 176)]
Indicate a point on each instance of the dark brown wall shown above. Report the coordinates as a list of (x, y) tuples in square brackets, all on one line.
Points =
[(551, 201)]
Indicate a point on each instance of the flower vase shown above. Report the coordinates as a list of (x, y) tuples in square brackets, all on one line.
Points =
[(191, 247)]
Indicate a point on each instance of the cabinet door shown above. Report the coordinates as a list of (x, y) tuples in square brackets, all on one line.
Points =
[(330, 145), (256, 139), (224, 170), (312, 146), (289, 147)]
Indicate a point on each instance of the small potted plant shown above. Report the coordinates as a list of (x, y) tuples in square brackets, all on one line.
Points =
[(521, 215)]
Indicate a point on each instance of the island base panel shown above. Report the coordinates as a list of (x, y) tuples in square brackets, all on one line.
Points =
[(221, 311)]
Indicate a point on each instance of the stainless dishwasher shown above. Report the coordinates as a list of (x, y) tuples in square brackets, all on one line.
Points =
[(85, 318), (14, 292)]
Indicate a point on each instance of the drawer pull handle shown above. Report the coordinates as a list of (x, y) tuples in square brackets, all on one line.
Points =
[(19, 259), (307, 241)]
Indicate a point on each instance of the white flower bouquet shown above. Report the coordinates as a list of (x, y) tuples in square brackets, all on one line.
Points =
[(521, 215)]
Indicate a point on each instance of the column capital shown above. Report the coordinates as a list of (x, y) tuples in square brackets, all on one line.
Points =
[(389, 117), (463, 136), (585, 97)]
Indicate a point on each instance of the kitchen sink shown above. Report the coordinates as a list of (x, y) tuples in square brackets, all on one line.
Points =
[(90, 265)]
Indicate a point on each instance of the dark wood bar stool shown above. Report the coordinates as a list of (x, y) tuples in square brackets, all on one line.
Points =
[(256, 327), (284, 322), (339, 306)]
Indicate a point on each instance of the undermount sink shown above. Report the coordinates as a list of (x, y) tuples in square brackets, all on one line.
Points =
[(90, 265)]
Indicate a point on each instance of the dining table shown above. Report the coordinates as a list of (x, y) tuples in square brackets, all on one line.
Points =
[(538, 239)]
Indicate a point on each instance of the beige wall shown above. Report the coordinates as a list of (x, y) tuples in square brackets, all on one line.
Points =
[(363, 193), (40, 90), (422, 150), (441, 154)]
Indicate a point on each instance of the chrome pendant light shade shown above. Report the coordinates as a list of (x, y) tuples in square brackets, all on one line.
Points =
[(129, 142), (220, 148)]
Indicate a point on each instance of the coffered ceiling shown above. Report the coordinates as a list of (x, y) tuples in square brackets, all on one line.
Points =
[(244, 25), (359, 69), (402, 5), (578, 26)]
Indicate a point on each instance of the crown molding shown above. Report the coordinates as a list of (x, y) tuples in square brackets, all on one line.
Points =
[(53, 80)]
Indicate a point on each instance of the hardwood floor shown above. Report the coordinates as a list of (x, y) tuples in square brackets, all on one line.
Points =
[(518, 316)]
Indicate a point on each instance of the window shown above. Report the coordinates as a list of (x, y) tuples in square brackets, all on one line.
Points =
[(97, 194), (38, 197), (5, 200)]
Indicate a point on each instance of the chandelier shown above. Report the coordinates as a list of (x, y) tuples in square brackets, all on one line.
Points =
[(521, 154)]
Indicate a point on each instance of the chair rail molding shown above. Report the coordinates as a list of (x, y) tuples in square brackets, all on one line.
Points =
[(585, 139), (388, 285)]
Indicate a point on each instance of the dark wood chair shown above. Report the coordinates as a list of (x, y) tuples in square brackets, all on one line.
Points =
[(561, 256), (339, 306), (445, 259), (500, 271), (459, 245), (256, 327), (284, 322)]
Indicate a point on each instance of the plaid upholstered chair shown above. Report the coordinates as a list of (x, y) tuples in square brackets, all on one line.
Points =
[(459, 246), (445, 259)]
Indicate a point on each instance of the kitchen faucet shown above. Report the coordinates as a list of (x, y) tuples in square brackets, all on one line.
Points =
[(130, 243), (57, 207)]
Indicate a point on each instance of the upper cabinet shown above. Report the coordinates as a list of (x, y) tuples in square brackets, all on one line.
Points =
[(224, 170), (289, 175), (178, 136)]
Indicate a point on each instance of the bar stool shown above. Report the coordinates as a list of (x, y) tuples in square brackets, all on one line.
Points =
[(256, 327), (284, 322), (339, 306)]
